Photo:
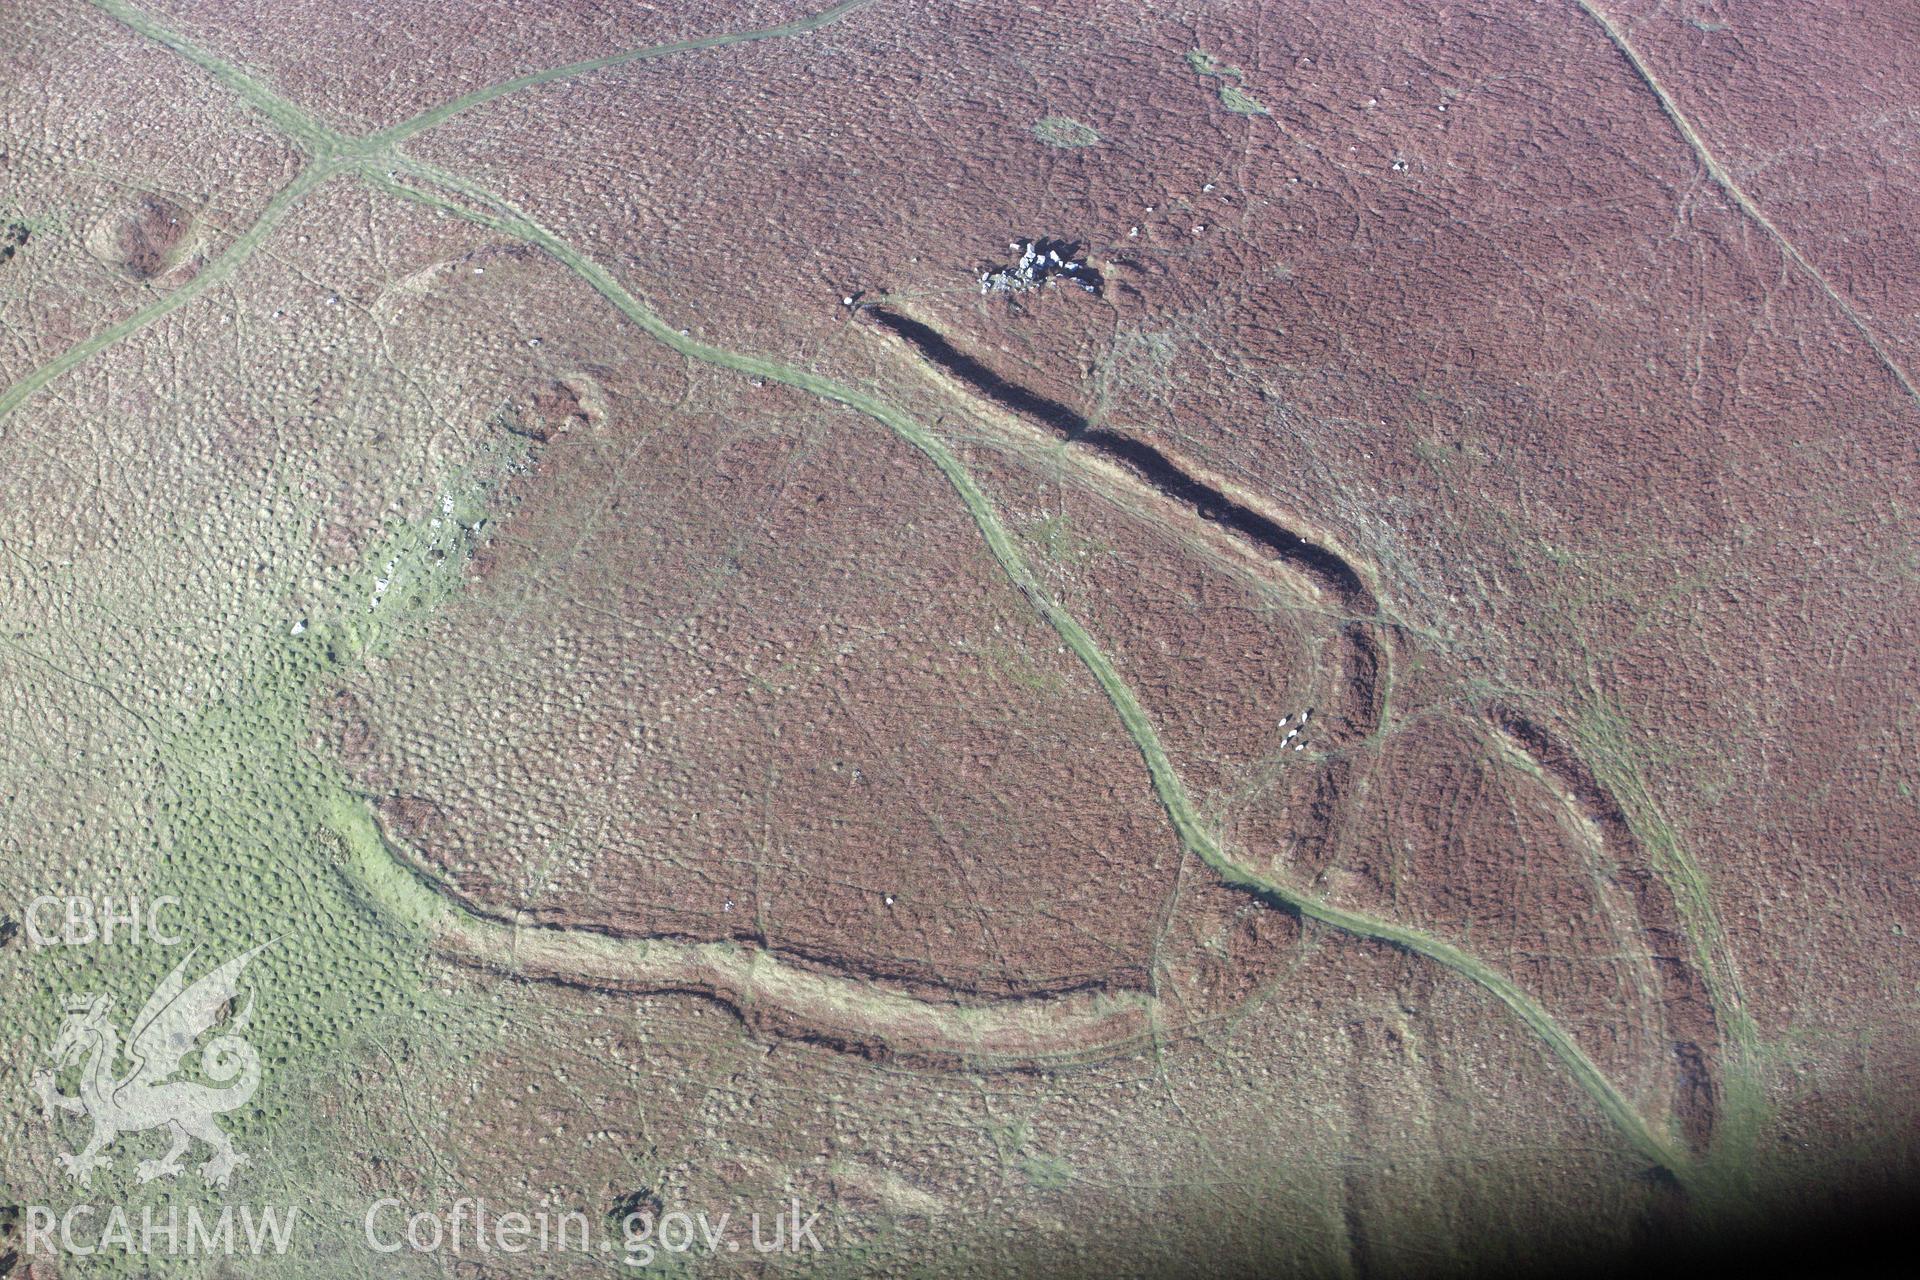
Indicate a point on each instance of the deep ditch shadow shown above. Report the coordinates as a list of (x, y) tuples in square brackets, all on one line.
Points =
[(1140, 459), (1064, 422), (1156, 469), (1687, 1004)]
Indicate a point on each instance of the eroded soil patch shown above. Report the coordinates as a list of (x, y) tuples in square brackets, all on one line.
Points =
[(151, 238)]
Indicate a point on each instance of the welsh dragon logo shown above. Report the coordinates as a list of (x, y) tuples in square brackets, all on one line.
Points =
[(146, 1096)]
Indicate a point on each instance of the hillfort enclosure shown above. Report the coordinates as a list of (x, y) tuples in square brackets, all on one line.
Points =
[(752, 637)]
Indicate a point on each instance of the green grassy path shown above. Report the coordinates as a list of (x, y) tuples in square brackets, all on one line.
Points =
[(330, 149), (220, 269), (439, 115)]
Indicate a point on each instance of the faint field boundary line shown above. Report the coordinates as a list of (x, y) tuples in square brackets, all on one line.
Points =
[(1726, 183), (1683, 873)]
